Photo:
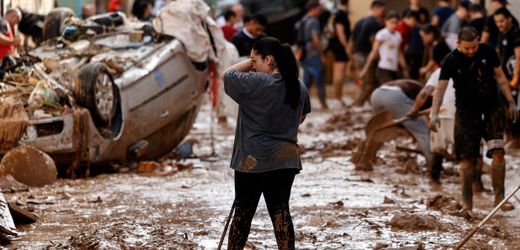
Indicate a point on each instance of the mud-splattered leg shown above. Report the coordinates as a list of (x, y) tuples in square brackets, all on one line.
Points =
[(277, 192), (498, 175), (466, 175), (247, 194)]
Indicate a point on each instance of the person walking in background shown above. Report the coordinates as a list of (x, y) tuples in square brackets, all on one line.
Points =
[(313, 57), (340, 47), (272, 104), (423, 15), (435, 47), (477, 79), (143, 10), (508, 46), (490, 32), (455, 22), (254, 27), (363, 37), (411, 46), (229, 28), (441, 13), (386, 47), (8, 41), (477, 18)]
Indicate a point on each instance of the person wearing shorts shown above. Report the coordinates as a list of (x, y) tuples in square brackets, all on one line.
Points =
[(477, 79)]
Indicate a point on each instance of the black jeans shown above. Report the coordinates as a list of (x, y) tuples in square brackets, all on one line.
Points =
[(276, 187)]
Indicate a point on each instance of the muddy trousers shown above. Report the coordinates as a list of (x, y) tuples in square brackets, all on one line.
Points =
[(276, 188)]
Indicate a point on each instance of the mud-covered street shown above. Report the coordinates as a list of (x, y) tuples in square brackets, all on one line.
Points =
[(333, 205)]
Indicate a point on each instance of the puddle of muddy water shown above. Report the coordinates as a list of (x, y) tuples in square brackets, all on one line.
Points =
[(333, 206)]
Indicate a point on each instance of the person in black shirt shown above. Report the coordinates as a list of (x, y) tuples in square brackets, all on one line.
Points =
[(509, 49), (477, 78), (477, 18), (339, 46), (254, 27), (435, 49), (423, 13), (490, 32), (362, 37)]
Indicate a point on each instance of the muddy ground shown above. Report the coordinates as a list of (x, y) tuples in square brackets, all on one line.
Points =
[(333, 206)]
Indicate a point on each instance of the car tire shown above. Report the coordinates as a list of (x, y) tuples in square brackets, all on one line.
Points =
[(96, 91), (53, 23)]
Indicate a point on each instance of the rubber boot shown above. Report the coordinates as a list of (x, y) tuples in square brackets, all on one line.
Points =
[(436, 167), (498, 174), (478, 186), (466, 175)]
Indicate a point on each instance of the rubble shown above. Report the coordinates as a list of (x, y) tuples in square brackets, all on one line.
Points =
[(408, 221), (29, 166)]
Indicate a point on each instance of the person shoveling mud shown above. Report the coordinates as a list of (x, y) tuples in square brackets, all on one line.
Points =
[(272, 104), (395, 99), (476, 73)]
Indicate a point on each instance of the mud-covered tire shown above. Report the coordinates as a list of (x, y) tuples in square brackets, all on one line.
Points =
[(53, 23), (96, 91)]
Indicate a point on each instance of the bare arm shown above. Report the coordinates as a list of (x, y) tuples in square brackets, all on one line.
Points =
[(421, 98), (316, 43), (516, 72), (340, 31), (503, 83), (5, 40), (435, 20), (302, 119), (402, 63), (438, 95), (243, 66), (485, 37), (371, 57)]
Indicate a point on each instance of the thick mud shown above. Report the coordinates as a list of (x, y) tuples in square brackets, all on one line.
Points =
[(333, 206)]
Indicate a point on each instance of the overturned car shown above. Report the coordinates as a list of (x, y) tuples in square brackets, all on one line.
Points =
[(127, 94)]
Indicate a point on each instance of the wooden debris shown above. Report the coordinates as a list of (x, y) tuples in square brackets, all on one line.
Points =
[(20, 215)]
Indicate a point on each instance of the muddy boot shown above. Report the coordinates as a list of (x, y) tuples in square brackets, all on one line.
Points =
[(478, 187), (466, 175), (436, 167), (498, 174)]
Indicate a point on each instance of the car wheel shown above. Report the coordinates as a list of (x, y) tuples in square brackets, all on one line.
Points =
[(53, 23), (97, 92)]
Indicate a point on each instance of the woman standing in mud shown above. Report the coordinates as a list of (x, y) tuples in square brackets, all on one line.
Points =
[(272, 104)]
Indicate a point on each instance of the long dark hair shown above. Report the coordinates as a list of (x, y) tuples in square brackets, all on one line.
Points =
[(286, 63)]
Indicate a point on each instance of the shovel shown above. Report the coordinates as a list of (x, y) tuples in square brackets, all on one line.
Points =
[(384, 120), (463, 241)]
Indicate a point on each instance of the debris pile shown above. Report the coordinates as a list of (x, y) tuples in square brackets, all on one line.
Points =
[(13, 122), (40, 95)]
